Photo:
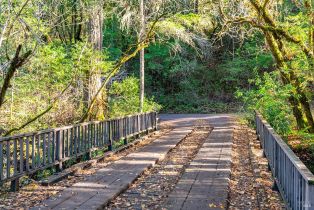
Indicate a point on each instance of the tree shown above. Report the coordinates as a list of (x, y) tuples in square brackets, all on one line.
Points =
[(263, 16), (96, 21), (142, 54)]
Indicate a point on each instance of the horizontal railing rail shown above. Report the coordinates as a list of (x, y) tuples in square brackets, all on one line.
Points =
[(25, 154), (294, 180)]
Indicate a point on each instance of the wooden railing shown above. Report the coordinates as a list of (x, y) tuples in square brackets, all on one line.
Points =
[(28, 153), (295, 182)]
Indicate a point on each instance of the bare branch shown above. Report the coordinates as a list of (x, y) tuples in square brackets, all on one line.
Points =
[(16, 63)]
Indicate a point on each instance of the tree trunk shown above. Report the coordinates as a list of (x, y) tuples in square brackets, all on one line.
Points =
[(286, 79), (96, 38), (300, 105), (142, 57), (17, 61)]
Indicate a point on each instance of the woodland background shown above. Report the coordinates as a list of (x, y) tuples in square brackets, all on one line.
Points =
[(69, 61)]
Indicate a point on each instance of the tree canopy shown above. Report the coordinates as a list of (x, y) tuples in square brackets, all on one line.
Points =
[(70, 61)]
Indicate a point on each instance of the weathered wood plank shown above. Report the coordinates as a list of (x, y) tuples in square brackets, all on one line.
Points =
[(33, 153), (15, 157), (49, 147), (71, 142), (1, 161), (43, 136), (27, 154), (68, 143), (8, 160), (206, 179)]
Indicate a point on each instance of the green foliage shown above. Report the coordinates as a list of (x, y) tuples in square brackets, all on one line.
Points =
[(184, 83), (303, 145), (34, 88), (191, 29), (124, 98), (269, 97)]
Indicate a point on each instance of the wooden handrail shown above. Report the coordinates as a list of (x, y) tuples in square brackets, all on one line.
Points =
[(30, 152), (293, 178)]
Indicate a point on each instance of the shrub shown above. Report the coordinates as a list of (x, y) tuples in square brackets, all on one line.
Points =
[(269, 97), (124, 98)]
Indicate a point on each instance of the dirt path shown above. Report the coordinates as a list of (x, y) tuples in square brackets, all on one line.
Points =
[(251, 182)]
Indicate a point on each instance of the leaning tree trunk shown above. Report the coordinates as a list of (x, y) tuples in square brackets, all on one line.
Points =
[(296, 105), (300, 107)]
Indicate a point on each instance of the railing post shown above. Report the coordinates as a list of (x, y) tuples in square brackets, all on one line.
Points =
[(110, 147), (139, 123), (124, 128), (309, 200), (59, 150), (155, 121), (138, 130), (15, 185), (146, 123)]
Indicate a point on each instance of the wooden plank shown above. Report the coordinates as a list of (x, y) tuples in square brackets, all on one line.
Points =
[(85, 138), (71, 142), (59, 146), (43, 136), (81, 136), (97, 130), (75, 140), (106, 141), (38, 150), (49, 147), (99, 135), (15, 156), (62, 135), (21, 156), (101, 138), (118, 130), (112, 132), (8, 160), (104, 134), (68, 142), (54, 153), (110, 135), (33, 153), (1, 161), (90, 137), (88, 140), (78, 139), (94, 136), (27, 153), (91, 140)]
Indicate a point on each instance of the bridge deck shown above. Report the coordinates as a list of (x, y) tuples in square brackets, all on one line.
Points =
[(108, 182), (205, 182), (206, 177)]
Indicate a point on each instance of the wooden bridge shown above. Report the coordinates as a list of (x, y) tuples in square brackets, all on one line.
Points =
[(200, 173)]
